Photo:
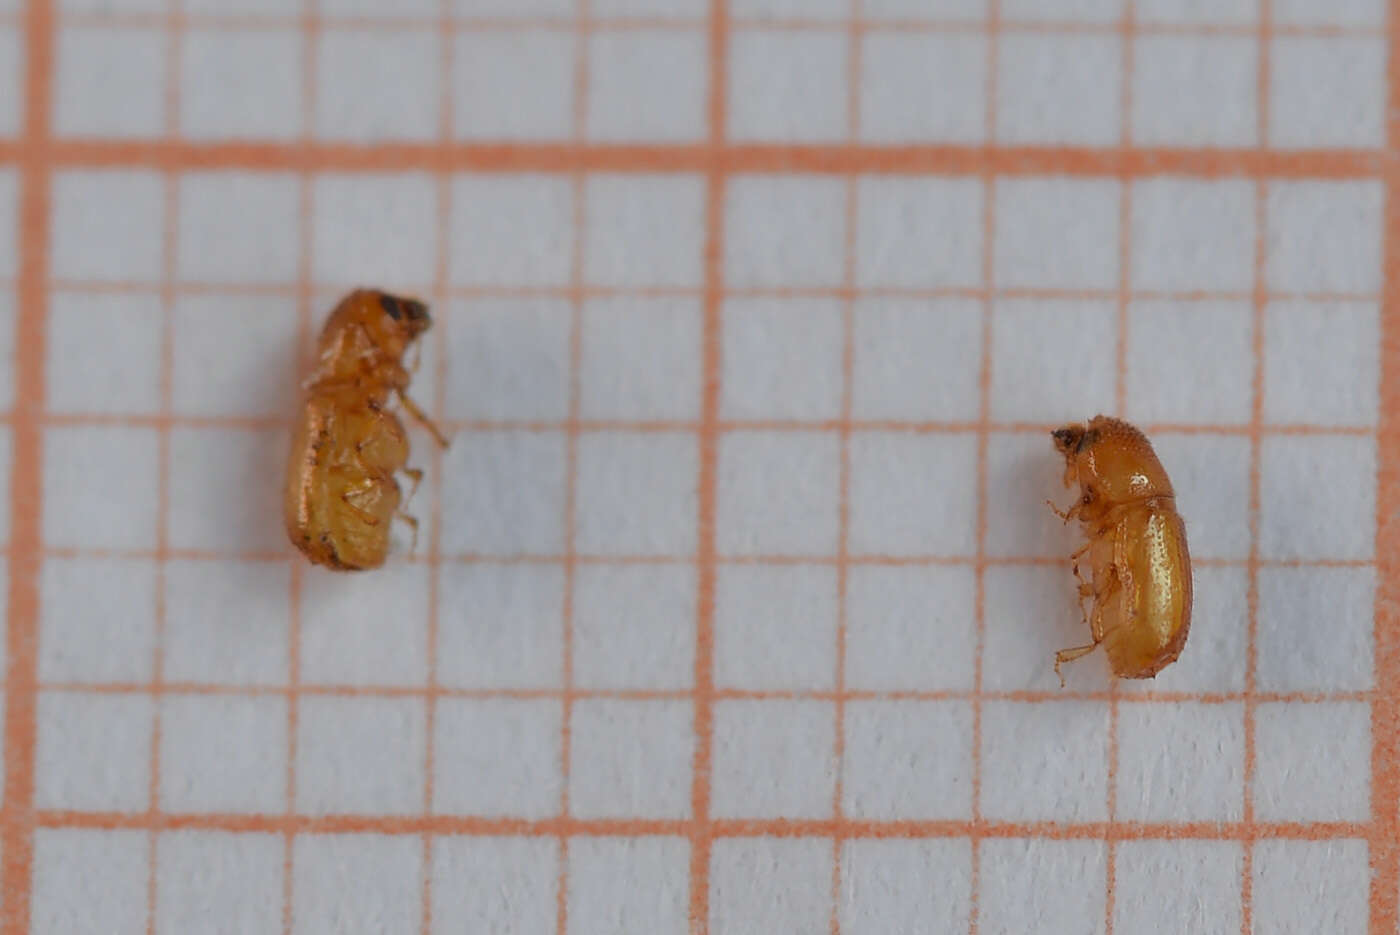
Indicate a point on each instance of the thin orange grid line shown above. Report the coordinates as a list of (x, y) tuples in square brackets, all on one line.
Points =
[(170, 220), (719, 828), (1127, 30), (855, 38), (707, 480), (692, 158), (306, 341), (725, 694), (1256, 421), (437, 459), (26, 475), (1385, 709)]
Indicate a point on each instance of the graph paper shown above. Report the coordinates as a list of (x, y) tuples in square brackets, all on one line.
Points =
[(735, 599)]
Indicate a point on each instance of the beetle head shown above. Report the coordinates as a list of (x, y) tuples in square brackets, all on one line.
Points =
[(1114, 463)]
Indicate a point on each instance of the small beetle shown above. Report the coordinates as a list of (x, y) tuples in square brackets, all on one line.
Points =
[(341, 496), (1141, 582)]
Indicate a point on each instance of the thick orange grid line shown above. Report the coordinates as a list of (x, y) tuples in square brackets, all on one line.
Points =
[(26, 478), (1385, 710)]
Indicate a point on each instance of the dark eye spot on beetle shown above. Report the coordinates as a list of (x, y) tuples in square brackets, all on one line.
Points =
[(391, 306)]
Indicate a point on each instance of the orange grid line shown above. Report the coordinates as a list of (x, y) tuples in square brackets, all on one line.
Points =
[(1385, 710)]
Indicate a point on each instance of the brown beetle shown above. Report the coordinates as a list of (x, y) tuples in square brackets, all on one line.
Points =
[(341, 496), (1141, 569)]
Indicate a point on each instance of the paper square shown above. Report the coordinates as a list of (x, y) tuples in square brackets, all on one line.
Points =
[(1324, 236), (919, 87), (638, 359), (109, 82), (1214, 657), (1032, 612), (13, 52), (1059, 88), (897, 246), (508, 358), (511, 230), (1026, 882), (629, 885), (898, 494), (187, 862), (777, 886), (230, 360), (1327, 92), (1210, 474), (774, 759), (84, 735), (1190, 234), (538, 67), (1195, 90), (1316, 629), (637, 494), (238, 227), (908, 761), (648, 609), (644, 230), (373, 10), (767, 65), (104, 353), (1063, 743), (123, 242), (285, 9), (1340, 339), (917, 360), (1024, 471), (508, 489), (631, 759), (1190, 361), (905, 886), (1307, 761), (647, 85), (784, 231), (7, 321), (910, 628), (1198, 12), (1063, 11), (498, 757), (1166, 887), (79, 514), (1053, 360), (770, 10), (358, 882), (374, 227), (472, 9), (78, 645), (627, 9), (227, 623), (208, 466), (342, 626), (1180, 762), (375, 85), (223, 753), (1337, 13), (763, 509), (775, 627), (495, 884), (1334, 875), (89, 881), (782, 359), (360, 755), (499, 626), (6, 460), (1055, 233), (221, 97), (1300, 518)]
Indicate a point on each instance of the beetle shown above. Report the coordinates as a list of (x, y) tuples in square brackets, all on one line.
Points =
[(341, 496), (1140, 566)]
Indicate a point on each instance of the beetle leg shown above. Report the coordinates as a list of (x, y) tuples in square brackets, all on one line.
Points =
[(1071, 654), (368, 518), (415, 475), (412, 524), (1065, 515), (422, 418)]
